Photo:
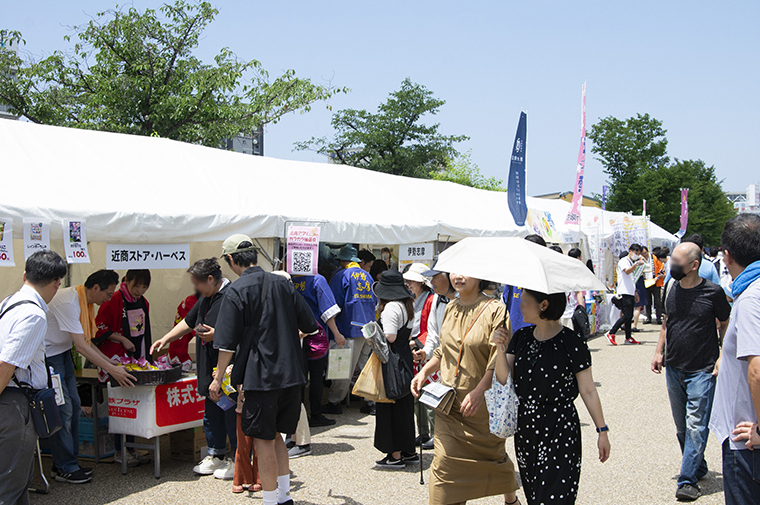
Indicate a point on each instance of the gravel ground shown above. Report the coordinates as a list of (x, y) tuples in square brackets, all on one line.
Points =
[(643, 467)]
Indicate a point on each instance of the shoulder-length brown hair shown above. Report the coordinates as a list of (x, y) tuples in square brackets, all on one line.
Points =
[(407, 302)]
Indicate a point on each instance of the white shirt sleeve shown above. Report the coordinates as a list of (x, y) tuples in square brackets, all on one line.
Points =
[(66, 313), (393, 318), (434, 330)]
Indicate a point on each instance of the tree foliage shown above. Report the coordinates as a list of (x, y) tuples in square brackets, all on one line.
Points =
[(464, 171), (393, 140), (633, 153), (135, 72)]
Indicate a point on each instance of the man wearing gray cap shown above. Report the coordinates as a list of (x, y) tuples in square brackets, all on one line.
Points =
[(261, 316)]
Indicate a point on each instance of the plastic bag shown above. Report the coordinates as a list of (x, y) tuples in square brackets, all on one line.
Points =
[(370, 384), (375, 337), (502, 403)]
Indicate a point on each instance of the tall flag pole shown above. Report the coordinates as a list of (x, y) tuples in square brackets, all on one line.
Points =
[(574, 216), (684, 212), (516, 182)]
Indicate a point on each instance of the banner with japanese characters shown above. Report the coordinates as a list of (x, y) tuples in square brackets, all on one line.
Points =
[(6, 242), (415, 253), (36, 236), (303, 250), (147, 256), (75, 241)]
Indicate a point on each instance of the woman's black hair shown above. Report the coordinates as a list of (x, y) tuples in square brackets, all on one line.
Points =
[(204, 268), (103, 279), (377, 268), (574, 253), (557, 304), (243, 258), (140, 277), (44, 267)]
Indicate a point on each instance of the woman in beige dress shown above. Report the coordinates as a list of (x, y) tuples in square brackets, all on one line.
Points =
[(470, 462)]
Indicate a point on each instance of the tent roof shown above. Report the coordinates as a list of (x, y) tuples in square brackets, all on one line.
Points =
[(135, 189), (141, 189)]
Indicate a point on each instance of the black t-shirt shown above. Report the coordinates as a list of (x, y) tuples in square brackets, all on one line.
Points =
[(206, 311), (274, 357), (692, 341)]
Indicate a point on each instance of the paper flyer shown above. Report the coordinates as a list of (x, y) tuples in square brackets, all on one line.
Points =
[(75, 241), (6, 242), (303, 250), (36, 236)]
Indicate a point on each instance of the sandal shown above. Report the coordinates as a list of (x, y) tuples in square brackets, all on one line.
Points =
[(237, 489), (516, 502), (255, 488)]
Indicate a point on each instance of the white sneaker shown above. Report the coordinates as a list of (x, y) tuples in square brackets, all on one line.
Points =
[(131, 460), (208, 466), (227, 471)]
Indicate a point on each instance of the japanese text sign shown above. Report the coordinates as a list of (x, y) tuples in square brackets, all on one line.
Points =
[(178, 403), (75, 241), (147, 256), (303, 250), (6, 242), (36, 236), (416, 252)]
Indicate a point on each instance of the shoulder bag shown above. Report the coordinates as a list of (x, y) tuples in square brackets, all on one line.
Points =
[(42, 404)]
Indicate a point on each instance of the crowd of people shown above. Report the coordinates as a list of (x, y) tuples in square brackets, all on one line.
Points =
[(270, 335)]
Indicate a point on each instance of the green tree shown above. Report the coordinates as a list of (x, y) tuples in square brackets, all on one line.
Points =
[(633, 153), (394, 140), (709, 209), (627, 149), (464, 171), (134, 72)]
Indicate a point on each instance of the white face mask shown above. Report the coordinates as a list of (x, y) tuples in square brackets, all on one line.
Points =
[(635, 257), (386, 256)]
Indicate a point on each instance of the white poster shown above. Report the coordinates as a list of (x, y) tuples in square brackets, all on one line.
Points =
[(75, 241), (415, 252), (6, 242), (147, 256), (36, 236)]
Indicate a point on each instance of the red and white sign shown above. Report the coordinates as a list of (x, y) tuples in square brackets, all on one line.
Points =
[(178, 403)]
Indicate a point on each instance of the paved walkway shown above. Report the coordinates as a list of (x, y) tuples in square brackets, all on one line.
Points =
[(642, 469)]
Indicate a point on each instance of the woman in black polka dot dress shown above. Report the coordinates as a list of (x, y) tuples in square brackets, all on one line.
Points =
[(551, 366)]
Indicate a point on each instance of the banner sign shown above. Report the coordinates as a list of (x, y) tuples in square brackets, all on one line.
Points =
[(633, 230), (6, 242), (684, 213), (303, 250), (179, 403), (644, 212), (75, 241), (147, 256), (36, 236), (604, 197), (574, 215), (516, 182)]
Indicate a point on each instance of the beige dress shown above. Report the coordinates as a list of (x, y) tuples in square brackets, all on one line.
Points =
[(470, 462)]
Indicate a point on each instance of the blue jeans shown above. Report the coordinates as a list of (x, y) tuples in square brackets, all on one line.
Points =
[(64, 444), (741, 475), (219, 424), (691, 400)]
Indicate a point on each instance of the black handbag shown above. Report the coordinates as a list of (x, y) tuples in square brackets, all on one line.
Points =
[(581, 323), (397, 376), (42, 404)]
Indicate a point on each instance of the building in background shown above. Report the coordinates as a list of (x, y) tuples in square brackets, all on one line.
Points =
[(746, 201), (247, 144)]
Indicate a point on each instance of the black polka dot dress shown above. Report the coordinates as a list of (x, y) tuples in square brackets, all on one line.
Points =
[(548, 438)]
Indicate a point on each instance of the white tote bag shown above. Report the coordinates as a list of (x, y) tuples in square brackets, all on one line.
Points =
[(502, 403)]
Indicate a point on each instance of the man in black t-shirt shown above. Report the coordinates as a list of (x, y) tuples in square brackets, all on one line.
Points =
[(261, 316), (692, 305)]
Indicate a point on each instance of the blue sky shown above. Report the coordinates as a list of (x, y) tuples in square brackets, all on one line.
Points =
[(694, 65)]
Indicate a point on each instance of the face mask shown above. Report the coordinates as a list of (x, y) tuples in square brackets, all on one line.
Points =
[(636, 257), (386, 256), (676, 271)]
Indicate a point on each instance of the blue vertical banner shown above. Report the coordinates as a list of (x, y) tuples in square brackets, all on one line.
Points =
[(604, 197), (516, 182)]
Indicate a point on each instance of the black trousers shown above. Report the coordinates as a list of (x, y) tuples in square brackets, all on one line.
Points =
[(655, 299), (626, 314), (316, 370)]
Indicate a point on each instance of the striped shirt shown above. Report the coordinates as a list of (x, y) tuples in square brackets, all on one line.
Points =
[(22, 337)]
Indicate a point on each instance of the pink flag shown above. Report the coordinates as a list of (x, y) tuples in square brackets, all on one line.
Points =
[(574, 216), (684, 212)]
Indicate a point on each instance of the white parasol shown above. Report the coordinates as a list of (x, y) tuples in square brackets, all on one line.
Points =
[(518, 262)]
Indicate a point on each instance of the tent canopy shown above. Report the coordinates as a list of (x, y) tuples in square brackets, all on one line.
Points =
[(134, 189)]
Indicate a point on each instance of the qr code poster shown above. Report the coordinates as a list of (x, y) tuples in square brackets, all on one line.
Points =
[(303, 250)]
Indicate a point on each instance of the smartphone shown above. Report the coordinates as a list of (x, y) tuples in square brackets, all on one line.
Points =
[(200, 329), (418, 344)]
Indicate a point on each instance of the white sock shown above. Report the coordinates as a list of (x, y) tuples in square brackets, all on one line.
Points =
[(270, 497), (283, 488)]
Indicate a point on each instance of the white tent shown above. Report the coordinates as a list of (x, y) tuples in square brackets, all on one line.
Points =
[(133, 189)]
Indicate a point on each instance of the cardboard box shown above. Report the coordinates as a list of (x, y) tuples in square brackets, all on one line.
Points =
[(186, 445)]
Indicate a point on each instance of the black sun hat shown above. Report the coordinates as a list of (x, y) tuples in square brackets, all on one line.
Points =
[(391, 286)]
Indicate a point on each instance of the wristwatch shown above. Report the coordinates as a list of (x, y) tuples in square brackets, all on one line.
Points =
[(607, 428)]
